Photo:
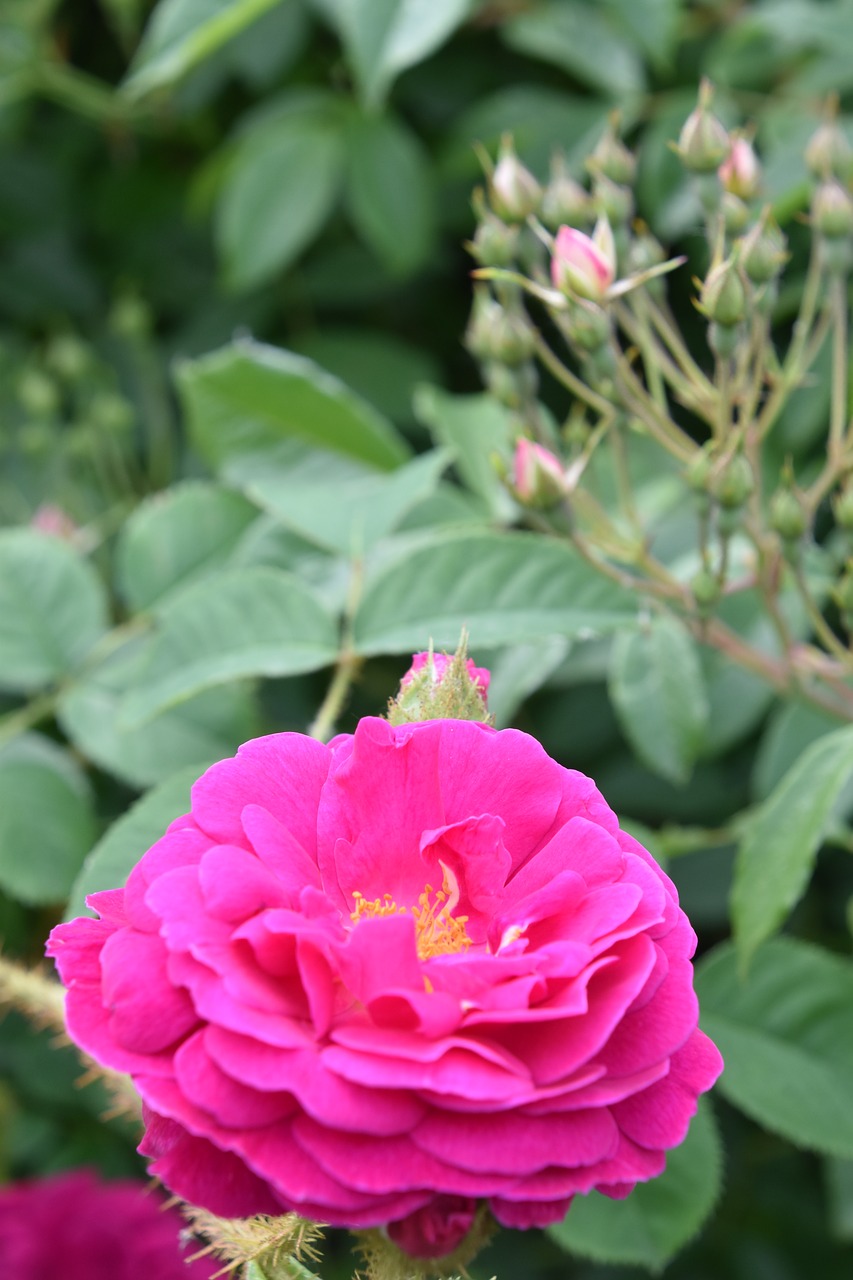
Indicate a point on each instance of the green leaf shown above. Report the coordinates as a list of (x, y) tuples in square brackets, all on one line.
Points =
[(46, 820), (384, 37), (777, 853), (519, 671), (210, 725), (389, 192), (176, 537), (791, 728), (53, 609), (737, 699), (505, 588), (280, 188), (659, 1217), (539, 119), (651, 24), (239, 623), (335, 502), (659, 696), (247, 396), (182, 33), (111, 861), (580, 39), (475, 428), (786, 1036), (378, 365)]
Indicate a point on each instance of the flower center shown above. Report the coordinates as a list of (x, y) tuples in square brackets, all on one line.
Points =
[(437, 931)]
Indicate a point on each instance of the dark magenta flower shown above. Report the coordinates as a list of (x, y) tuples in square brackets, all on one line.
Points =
[(381, 980), (76, 1227)]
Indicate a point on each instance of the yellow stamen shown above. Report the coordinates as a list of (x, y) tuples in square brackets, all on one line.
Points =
[(437, 932)]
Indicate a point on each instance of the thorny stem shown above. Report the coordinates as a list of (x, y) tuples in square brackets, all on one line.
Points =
[(657, 362), (821, 627), (677, 346), (840, 359), (723, 417), (570, 380), (638, 401)]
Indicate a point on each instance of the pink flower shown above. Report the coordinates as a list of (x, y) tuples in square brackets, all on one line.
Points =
[(440, 662), (538, 477), (379, 980), (584, 265), (74, 1226)]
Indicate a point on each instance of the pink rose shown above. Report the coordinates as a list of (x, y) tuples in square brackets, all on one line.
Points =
[(584, 265), (74, 1226), (441, 661), (379, 980)]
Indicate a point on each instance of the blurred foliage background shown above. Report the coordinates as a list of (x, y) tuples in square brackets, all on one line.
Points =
[(206, 208)]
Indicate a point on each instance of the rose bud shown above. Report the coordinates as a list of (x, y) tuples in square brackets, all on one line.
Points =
[(514, 191), (704, 142), (740, 172), (538, 477), (584, 265)]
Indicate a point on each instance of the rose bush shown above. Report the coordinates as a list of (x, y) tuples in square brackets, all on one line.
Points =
[(380, 980), (77, 1227)]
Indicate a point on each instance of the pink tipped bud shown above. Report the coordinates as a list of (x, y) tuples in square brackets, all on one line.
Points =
[(740, 172), (437, 664), (584, 265), (538, 478), (49, 518), (439, 687)]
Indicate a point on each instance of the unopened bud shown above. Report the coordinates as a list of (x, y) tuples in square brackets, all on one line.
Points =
[(613, 201), (705, 588), (512, 387), (68, 357), (698, 471), (584, 265), (734, 484), (762, 253), (514, 191), (130, 317), (703, 143), (538, 478), (724, 340), (787, 517), (740, 172), (494, 244), (586, 325), (494, 333), (613, 159), (832, 210), (828, 154), (50, 518), (111, 413), (38, 394), (438, 687), (565, 201), (723, 296)]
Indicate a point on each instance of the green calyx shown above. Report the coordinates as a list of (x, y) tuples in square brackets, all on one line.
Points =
[(449, 694)]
